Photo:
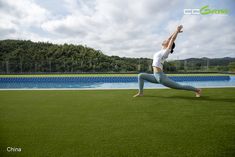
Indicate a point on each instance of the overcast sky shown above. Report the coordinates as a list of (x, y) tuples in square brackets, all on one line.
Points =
[(130, 28)]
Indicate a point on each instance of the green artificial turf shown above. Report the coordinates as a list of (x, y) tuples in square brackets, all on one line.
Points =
[(111, 123)]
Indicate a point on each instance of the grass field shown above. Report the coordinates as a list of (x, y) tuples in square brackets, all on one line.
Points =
[(101, 123)]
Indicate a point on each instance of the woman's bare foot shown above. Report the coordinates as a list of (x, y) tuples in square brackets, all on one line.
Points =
[(138, 95), (198, 93)]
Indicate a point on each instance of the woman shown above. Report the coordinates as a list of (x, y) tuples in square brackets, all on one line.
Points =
[(158, 76)]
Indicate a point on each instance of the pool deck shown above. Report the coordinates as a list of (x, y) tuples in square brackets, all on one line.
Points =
[(100, 75)]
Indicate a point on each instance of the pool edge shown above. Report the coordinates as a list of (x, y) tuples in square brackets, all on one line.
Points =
[(91, 89)]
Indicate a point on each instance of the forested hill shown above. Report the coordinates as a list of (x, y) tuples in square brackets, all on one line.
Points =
[(28, 56), (46, 57)]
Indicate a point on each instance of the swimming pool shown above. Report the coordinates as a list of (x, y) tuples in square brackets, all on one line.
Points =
[(109, 82)]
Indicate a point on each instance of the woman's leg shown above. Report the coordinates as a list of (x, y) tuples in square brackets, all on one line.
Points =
[(172, 84), (147, 77), (141, 78)]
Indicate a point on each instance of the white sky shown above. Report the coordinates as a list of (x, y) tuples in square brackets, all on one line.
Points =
[(127, 28)]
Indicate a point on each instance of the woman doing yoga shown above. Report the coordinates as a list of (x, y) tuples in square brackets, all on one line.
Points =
[(158, 76)]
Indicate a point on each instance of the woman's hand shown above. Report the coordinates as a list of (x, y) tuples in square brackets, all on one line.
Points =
[(179, 29)]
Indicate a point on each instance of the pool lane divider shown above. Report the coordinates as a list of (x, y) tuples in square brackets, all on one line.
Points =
[(108, 79)]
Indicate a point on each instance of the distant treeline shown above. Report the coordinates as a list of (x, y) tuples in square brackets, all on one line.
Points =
[(27, 56), (204, 65)]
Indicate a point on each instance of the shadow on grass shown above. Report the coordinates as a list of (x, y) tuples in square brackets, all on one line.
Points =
[(202, 98)]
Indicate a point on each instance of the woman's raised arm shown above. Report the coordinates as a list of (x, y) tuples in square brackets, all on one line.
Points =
[(174, 36)]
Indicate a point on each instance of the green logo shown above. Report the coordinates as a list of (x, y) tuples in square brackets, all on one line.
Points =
[(205, 11)]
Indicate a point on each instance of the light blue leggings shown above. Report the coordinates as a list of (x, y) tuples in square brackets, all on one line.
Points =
[(161, 78)]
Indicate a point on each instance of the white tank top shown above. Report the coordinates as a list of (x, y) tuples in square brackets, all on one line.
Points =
[(160, 57)]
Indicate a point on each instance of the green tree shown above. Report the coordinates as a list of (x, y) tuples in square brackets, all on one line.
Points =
[(232, 66)]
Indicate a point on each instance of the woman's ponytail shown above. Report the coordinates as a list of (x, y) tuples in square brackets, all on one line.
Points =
[(172, 48)]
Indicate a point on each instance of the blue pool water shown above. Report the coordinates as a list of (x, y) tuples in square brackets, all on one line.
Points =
[(109, 82)]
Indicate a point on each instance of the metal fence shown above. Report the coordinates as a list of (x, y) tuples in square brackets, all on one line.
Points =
[(7, 67)]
